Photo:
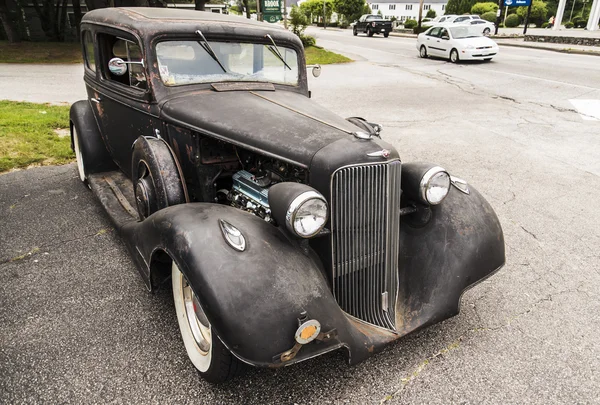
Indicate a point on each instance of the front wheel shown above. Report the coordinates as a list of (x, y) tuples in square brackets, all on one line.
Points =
[(487, 31), (354, 31), (423, 51), (454, 56), (207, 353), (369, 32), (487, 59)]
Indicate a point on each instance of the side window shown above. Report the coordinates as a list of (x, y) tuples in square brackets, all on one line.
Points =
[(459, 19), (362, 19), (444, 33), (88, 46), (131, 53), (435, 32)]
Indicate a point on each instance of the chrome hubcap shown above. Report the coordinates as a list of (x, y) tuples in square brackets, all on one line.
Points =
[(196, 318)]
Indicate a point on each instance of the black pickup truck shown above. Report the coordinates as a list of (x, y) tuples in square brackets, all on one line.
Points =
[(372, 24)]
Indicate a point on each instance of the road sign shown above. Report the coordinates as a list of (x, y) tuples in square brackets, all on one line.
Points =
[(517, 3), (271, 10)]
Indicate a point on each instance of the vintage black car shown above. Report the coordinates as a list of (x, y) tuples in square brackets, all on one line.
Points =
[(285, 231), (372, 24)]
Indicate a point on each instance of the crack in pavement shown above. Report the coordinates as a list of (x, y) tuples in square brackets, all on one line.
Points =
[(38, 249)]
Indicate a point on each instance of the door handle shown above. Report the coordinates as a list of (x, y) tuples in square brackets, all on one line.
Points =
[(96, 100)]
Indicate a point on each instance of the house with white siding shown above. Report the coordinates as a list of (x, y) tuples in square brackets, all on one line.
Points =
[(406, 9)]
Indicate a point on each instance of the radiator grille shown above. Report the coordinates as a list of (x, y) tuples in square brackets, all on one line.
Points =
[(365, 224)]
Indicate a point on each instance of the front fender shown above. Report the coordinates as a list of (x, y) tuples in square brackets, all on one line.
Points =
[(253, 298), (461, 245)]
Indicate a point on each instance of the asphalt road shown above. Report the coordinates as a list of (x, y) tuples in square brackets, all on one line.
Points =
[(78, 325)]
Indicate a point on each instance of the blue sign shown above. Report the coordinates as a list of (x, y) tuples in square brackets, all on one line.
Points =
[(517, 3)]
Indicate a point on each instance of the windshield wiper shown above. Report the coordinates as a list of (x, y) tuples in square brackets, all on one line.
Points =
[(204, 44), (275, 51)]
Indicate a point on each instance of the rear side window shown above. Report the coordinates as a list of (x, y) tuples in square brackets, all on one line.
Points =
[(88, 46)]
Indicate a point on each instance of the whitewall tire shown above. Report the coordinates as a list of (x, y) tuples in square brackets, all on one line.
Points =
[(204, 348)]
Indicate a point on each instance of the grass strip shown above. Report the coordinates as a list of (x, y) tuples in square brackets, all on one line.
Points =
[(29, 135), (40, 52), (317, 55)]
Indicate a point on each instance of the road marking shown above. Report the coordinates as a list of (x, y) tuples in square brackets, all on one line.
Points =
[(588, 109)]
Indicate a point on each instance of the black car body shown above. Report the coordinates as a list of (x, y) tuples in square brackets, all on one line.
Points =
[(371, 24), (286, 231)]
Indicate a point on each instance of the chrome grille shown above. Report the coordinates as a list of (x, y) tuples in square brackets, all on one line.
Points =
[(365, 224)]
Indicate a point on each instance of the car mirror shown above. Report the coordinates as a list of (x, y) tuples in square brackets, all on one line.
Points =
[(316, 70), (118, 66)]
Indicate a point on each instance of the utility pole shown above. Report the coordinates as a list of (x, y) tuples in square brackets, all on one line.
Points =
[(572, 7), (527, 18), (324, 18), (420, 16), (285, 14), (498, 15)]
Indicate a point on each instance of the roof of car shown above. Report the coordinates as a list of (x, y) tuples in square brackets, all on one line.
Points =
[(154, 21)]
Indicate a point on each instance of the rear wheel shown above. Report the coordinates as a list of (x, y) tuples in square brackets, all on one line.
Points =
[(387, 34), (487, 31), (207, 353), (423, 51), (454, 56)]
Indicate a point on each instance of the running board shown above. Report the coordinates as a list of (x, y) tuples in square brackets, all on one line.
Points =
[(115, 192)]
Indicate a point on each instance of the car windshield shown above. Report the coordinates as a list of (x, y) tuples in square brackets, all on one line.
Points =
[(189, 62), (465, 32)]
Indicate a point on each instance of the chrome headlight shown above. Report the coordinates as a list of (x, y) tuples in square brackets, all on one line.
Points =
[(301, 208), (307, 214), (434, 185)]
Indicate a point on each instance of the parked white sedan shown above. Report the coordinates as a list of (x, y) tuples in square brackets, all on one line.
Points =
[(484, 26), (456, 43)]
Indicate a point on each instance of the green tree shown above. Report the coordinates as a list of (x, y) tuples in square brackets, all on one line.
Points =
[(350, 9), (298, 20), (453, 7), (539, 12), (430, 13), (482, 8), (313, 9), (367, 9)]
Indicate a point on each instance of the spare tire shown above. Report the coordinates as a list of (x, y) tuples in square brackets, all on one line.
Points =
[(157, 179)]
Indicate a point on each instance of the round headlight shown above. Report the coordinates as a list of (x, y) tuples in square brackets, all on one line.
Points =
[(435, 185), (307, 214)]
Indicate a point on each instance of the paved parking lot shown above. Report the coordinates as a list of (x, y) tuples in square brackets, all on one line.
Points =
[(78, 325)]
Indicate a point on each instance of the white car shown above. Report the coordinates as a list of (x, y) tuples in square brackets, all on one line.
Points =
[(463, 18), (456, 42), (486, 27), (443, 18)]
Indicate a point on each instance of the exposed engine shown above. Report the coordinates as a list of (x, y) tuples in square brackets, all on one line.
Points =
[(241, 178)]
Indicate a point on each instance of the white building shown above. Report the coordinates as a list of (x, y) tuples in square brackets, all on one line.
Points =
[(406, 9)]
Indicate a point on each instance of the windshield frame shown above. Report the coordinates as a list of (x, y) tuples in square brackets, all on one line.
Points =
[(254, 40)]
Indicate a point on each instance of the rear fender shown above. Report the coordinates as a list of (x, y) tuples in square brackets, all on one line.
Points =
[(95, 155), (461, 245)]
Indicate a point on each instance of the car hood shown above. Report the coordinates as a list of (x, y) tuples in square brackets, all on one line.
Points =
[(280, 123)]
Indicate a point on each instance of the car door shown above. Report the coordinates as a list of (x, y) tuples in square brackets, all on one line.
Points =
[(432, 39), (121, 101), (443, 43), (360, 25)]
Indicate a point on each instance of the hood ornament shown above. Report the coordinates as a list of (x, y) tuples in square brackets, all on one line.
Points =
[(384, 153)]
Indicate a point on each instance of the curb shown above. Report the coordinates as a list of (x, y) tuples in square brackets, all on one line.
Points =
[(398, 34), (560, 50)]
